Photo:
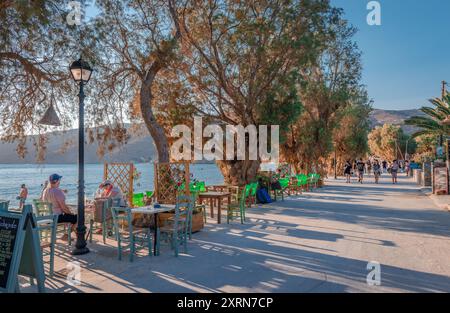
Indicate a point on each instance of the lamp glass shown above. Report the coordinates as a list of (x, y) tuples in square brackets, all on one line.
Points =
[(81, 71)]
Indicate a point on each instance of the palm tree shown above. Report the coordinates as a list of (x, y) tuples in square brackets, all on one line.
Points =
[(437, 121)]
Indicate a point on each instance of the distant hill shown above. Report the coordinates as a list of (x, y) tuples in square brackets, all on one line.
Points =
[(139, 148), (379, 117)]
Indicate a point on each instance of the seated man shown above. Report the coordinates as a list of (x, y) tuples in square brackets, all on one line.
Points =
[(57, 198)]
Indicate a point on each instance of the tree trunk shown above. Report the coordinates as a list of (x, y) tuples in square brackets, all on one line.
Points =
[(239, 173), (156, 130)]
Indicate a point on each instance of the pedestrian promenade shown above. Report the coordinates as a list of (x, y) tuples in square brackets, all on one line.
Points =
[(315, 242)]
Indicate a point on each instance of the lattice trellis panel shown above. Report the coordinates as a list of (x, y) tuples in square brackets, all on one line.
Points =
[(170, 178), (121, 174)]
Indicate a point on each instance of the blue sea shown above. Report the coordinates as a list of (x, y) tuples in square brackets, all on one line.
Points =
[(34, 175)]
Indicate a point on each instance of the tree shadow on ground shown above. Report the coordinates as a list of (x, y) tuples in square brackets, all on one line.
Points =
[(227, 258), (271, 252)]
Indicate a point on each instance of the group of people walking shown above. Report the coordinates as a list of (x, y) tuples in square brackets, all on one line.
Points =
[(360, 167)]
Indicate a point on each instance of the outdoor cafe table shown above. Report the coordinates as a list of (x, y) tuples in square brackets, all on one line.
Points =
[(221, 188), (212, 196), (149, 209)]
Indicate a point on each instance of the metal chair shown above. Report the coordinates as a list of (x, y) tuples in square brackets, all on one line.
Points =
[(4, 204), (176, 230), (61, 228), (237, 207), (102, 219), (47, 224), (128, 236)]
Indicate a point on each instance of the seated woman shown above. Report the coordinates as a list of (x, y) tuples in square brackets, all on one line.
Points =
[(109, 191), (139, 220), (105, 191), (57, 198)]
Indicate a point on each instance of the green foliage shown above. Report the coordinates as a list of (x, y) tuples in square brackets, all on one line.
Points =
[(350, 136), (426, 148), (431, 125), (36, 47), (335, 103), (389, 142)]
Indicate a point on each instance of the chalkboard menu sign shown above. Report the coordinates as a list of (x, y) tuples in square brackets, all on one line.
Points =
[(440, 180), (8, 234), (20, 251)]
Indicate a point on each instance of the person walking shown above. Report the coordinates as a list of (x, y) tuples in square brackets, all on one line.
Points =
[(22, 197), (384, 163), (360, 165), (348, 171), (376, 171), (369, 166), (394, 171), (407, 168), (43, 186)]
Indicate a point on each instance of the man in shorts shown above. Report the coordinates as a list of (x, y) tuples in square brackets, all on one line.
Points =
[(360, 166), (57, 198)]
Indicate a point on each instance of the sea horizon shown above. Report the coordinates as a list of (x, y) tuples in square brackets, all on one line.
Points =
[(33, 175)]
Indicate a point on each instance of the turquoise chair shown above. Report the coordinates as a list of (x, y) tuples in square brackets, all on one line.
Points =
[(314, 179), (62, 228), (237, 208), (176, 230), (128, 236), (4, 204), (104, 221), (47, 224)]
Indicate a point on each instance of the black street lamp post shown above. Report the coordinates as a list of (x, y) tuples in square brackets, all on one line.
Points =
[(81, 73)]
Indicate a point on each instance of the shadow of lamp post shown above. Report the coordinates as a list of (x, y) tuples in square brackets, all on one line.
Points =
[(81, 73)]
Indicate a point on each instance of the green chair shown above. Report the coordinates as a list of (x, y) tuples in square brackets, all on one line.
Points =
[(197, 206), (138, 200), (298, 184), (47, 224), (254, 190), (149, 194), (176, 230), (247, 191), (313, 179), (4, 204), (284, 183), (237, 208), (201, 186), (250, 193), (61, 228), (128, 236), (302, 182)]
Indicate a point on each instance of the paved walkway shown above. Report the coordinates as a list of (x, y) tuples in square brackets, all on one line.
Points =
[(315, 242)]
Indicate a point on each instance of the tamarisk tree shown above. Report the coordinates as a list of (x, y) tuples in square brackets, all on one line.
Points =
[(241, 62)]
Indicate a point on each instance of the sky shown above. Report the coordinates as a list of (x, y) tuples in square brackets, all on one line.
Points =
[(406, 58)]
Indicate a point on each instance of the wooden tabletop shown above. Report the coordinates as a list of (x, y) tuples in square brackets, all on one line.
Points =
[(213, 194), (149, 209)]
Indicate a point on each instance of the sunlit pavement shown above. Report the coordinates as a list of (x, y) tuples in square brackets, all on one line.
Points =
[(319, 241)]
